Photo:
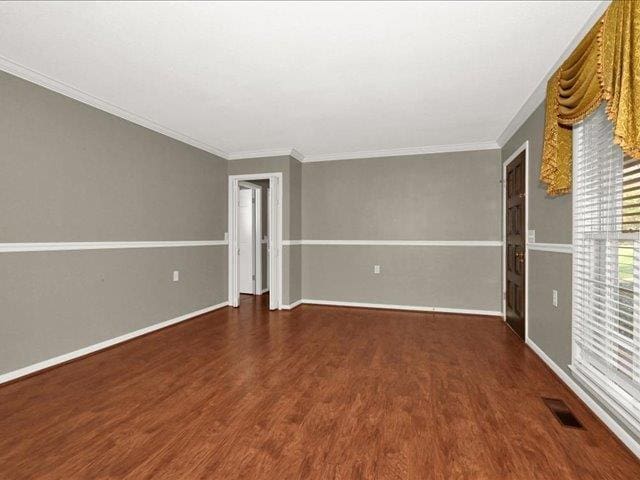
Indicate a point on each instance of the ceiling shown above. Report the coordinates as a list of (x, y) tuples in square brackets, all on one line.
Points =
[(332, 80)]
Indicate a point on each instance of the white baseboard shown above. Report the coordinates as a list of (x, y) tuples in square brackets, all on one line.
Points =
[(264, 290), (102, 345), (291, 306), (416, 308), (607, 419)]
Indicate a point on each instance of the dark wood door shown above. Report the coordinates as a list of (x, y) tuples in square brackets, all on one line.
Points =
[(515, 248)]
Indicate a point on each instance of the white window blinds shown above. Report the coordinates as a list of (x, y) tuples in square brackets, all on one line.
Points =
[(606, 268)]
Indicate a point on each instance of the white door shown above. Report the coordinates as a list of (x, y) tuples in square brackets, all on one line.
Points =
[(274, 239), (268, 237), (246, 251)]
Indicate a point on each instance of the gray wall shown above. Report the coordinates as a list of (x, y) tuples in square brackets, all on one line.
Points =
[(291, 198), (445, 196), (549, 327), (452, 196), (69, 172), (57, 302), (441, 277), (550, 217)]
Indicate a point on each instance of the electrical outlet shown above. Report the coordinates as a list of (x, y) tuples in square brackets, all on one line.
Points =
[(555, 298), (176, 275), (532, 236), (376, 269)]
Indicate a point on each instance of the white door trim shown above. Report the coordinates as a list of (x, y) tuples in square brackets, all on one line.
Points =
[(275, 240), (524, 147), (257, 235)]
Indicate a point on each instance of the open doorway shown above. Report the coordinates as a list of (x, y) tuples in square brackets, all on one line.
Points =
[(255, 237), (250, 238)]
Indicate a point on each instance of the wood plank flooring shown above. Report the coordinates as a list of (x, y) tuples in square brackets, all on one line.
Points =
[(315, 393)]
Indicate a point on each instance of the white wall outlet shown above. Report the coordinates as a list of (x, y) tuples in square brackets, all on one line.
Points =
[(376, 269), (532, 236), (555, 298), (176, 275), (226, 236)]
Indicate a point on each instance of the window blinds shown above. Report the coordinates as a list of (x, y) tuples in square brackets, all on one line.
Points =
[(606, 268)]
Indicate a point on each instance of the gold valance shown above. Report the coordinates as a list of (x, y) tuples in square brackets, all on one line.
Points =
[(604, 66)]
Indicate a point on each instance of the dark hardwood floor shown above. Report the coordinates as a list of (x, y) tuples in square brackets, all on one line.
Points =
[(315, 393)]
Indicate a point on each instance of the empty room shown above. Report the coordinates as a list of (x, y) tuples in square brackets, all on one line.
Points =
[(320, 240)]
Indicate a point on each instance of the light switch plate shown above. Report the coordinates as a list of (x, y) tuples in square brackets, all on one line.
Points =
[(555, 298), (376, 269), (176, 275)]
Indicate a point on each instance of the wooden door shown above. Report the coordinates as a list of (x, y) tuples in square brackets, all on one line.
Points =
[(515, 246)]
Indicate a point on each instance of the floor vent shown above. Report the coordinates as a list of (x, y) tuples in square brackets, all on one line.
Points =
[(561, 411)]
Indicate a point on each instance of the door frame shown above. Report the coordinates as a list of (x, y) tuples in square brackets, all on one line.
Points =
[(522, 148), (275, 239), (256, 234)]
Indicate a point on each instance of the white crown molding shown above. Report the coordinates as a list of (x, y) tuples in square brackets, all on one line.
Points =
[(521, 116), (396, 152), (392, 152), (62, 88), (61, 246), (33, 76), (274, 152), (297, 155), (538, 95), (414, 243), (67, 90), (6, 377), (551, 247)]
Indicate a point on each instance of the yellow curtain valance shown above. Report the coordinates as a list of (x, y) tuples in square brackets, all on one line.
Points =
[(604, 66)]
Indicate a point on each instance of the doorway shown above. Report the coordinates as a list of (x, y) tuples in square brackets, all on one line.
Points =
[(515, 230), (255, 237), (249, 238)]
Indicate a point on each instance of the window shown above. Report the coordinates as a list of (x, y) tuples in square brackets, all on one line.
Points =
[(606, 268)]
